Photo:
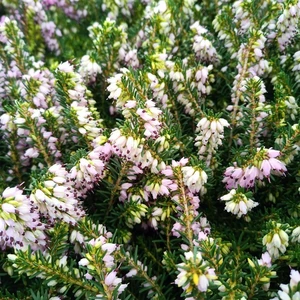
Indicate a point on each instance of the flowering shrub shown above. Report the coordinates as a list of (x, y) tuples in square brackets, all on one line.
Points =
[(149, 149)]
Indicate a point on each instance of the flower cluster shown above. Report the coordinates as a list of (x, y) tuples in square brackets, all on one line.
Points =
[(20, 224), (70, 8), (210, 137), (287, 24), (94, 251), (35, 11), (106, 56), (89, 170), (114, 9), (82, 106), (276, 240), (195, 271), (101, 249), (295, 236), (56, 198), (203, 47), (296, 68), (238, 202), (263, 165), (194, 179), (139, 116), (89, 69), (291, 290), (199, 81)]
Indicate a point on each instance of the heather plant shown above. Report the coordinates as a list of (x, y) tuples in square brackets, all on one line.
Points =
[(149, 149)]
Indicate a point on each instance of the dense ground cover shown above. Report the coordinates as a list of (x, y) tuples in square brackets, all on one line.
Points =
[(149, 149)]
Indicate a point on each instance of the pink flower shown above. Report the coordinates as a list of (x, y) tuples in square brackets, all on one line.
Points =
[(237, 173), (295, 278), (109, 247), (130, 104), (110, 278), (131, 273), (183, 161), (66, 67), (277, 165), (248, 179), (266, 168), (265, 260), (9, 208), (177, 227), (273, 153), (246, 176), (203, 283), (88, 276)]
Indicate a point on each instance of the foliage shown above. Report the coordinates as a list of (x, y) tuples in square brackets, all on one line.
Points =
[(149, 149)]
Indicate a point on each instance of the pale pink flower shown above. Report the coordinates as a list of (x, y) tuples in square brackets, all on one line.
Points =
[(273, 153), (111, 279), (131, 273), (265, 260), (203, 283), (177, 227), (295, 278), (66, 67), (277, 165), (88, 276), (266, 168)]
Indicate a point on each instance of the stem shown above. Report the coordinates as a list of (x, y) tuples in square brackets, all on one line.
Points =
[(137, 86), (188, 217), (15, 158), (253, 286), (168, 233), (144, 275), (36, 135), (176, 116), (63, 276), (245, 57), (122, 173), (87, 231), (99, 268), (19, 57), (253, 125), (200, 296), (289, 143), (195, 103), (149, 253), (39, 142)]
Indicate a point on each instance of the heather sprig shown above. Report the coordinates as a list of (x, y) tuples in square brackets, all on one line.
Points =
[(149, 149)]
